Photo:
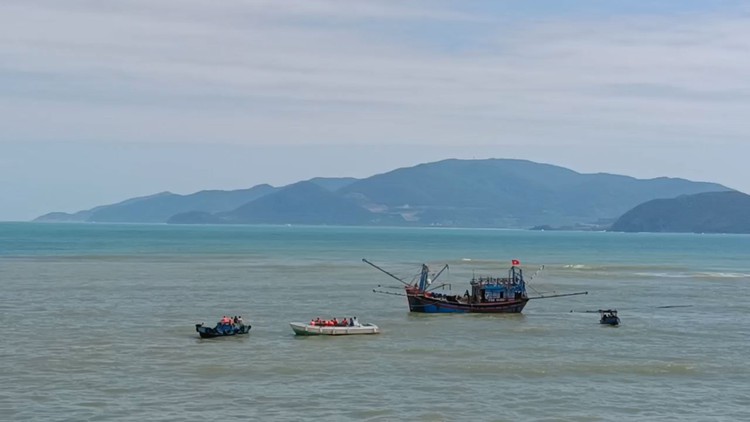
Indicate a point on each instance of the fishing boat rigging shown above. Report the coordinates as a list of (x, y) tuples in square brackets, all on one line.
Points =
[(488, 294)]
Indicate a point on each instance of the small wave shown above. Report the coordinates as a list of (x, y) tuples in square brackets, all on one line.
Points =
[(577, 266), (664, 275), (722, 275), (693, 275)]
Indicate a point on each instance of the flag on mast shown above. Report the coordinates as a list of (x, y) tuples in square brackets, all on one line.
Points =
[(515, 262)]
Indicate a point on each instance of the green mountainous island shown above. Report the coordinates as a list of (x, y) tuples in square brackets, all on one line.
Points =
[(711, 212), (500, 193)]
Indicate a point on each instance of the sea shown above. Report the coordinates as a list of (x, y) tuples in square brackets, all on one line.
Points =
[(98, 324)]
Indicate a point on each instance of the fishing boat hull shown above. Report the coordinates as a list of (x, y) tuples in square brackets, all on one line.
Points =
[(610, 321), (302, 329), (209, 332), (430, 305)]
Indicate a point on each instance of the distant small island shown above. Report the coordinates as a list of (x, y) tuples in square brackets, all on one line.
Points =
[(712, 212), (599, 226)]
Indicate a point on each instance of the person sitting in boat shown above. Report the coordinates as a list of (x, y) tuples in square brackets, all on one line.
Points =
[(355, 322), (220, 326), (351, 322)]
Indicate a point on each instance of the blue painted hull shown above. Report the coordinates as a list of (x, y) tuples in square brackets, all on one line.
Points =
[(430, 305), (610, 321), (208, 332)]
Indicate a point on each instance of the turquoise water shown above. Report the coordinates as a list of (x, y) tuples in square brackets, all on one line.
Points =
[(99, 325)]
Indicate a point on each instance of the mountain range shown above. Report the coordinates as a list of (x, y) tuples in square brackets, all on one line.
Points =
[(453, 193)]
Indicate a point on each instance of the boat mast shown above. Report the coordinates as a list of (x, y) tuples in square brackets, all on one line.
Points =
[(424, 277)]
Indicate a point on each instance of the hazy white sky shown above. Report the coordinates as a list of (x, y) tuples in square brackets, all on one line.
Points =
[(101, 101)]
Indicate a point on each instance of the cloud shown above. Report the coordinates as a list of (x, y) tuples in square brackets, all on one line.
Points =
[(348, 72)]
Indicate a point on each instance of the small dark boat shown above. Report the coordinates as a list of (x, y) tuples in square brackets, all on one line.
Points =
[(609, 317), (222, 330)]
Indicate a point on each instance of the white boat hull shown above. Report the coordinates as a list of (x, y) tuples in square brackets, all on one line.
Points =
[(302, 329)]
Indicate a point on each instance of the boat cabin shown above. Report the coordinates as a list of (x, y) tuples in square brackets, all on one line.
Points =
[(499, 289)]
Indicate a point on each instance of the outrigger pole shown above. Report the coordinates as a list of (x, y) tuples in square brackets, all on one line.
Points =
[(387, 293), (439, 272), (378, 268), (635, 309), (566, 294)]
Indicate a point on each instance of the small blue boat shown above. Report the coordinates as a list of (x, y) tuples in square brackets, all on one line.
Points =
[(609, 317), (223, 329)]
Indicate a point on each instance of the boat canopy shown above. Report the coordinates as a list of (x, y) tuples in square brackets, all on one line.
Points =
[(493, 289)]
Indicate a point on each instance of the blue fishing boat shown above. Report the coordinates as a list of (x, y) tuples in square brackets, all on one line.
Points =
[(224, 328), (490, 294)]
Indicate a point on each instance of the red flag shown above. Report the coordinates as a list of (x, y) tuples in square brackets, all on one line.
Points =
[(515, 262)]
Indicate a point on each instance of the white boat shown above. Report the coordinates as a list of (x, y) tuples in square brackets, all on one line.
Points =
[(302, 329)]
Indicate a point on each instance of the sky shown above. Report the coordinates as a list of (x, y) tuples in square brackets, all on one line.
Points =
[(103, 101)]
